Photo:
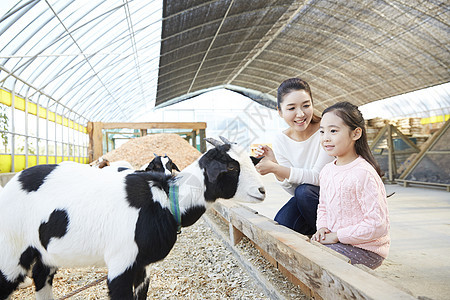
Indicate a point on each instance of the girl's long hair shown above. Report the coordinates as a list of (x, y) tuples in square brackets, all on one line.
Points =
[(295, 84), (353, 118)]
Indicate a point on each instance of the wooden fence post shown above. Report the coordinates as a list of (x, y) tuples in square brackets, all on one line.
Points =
[(95, 140)]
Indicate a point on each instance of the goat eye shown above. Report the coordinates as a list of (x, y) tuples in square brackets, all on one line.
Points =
[(231, 168)]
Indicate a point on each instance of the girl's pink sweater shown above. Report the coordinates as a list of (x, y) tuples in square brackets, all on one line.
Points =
[(353, 203)]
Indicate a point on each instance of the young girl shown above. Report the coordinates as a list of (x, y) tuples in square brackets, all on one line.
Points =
[(297, 156), (352, 216)]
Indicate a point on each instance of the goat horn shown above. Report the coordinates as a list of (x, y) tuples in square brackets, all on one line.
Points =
[(225, 140), (213, 142), (155, 154)]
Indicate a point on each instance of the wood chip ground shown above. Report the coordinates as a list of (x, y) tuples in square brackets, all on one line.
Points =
[(198, 267)]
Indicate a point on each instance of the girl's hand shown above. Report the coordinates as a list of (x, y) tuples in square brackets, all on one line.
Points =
[(319, 236), (265, 151), (330, 238)]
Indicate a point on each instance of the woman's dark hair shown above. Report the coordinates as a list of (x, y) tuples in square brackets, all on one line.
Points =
[(353, 118), (294, 84)]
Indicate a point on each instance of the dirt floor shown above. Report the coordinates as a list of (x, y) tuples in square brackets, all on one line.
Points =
[(200, 266)]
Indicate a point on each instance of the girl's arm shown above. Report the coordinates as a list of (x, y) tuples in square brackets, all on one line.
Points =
[(323, 235), (322, 207), (371, 196)]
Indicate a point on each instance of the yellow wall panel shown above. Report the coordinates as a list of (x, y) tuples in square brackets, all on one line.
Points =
[(5, 97), (435, 119), (42, 160), (32, 108), (51, 116), (5, 163), (19, 103), (42, 113), (32, 160), (19, 163)]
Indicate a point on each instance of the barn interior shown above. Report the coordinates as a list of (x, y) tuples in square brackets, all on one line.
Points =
[(80, 79)]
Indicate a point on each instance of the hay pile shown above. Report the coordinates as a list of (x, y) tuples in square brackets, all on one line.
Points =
[(139, 151)]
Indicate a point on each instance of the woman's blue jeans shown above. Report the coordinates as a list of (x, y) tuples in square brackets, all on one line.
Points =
[(300, 212)]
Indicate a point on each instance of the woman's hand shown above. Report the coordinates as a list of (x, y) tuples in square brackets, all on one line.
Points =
[(265, 166), (265, 151), (320, 234)]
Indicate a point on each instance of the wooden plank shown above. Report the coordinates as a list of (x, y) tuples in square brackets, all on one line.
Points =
[(194, 138), (378, 137), (322, 272), (156, 125), (407, 183), (235, 235), (95, 149), (202, 141), (305, 289), (391, 156), (269, 258)]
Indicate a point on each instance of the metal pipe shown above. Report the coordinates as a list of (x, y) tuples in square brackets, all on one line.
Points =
[(13, 129)]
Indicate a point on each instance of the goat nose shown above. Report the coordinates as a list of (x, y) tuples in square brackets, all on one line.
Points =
[(262, 190)]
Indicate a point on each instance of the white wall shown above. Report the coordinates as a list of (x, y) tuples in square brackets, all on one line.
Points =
[(226, 113)]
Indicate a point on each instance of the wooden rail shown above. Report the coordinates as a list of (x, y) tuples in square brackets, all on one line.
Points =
[(407, 183), (321, 272), (95, 131)]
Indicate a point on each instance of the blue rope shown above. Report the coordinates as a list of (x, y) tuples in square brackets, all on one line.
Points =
[(175, 205)]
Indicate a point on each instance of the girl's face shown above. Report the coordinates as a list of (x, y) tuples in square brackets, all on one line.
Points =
[(297, 110), (337, 138)]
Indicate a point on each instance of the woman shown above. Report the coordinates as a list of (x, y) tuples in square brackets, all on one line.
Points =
[(297, 157)]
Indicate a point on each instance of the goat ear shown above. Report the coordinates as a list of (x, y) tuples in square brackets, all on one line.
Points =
[(256, 160), (150, 166), (174, 167), (213, 142)]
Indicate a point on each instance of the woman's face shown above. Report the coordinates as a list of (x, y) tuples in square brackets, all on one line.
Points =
[(297, 110)]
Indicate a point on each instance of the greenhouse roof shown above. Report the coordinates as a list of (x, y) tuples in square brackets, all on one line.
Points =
[(116, 60)]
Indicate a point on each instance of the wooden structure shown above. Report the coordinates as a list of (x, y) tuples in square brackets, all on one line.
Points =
[(437, 145), (320, 272), (95, 131), (387, 133)]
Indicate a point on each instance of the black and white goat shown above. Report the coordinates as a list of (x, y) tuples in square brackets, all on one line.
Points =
[(162, 164), (68, 215)]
